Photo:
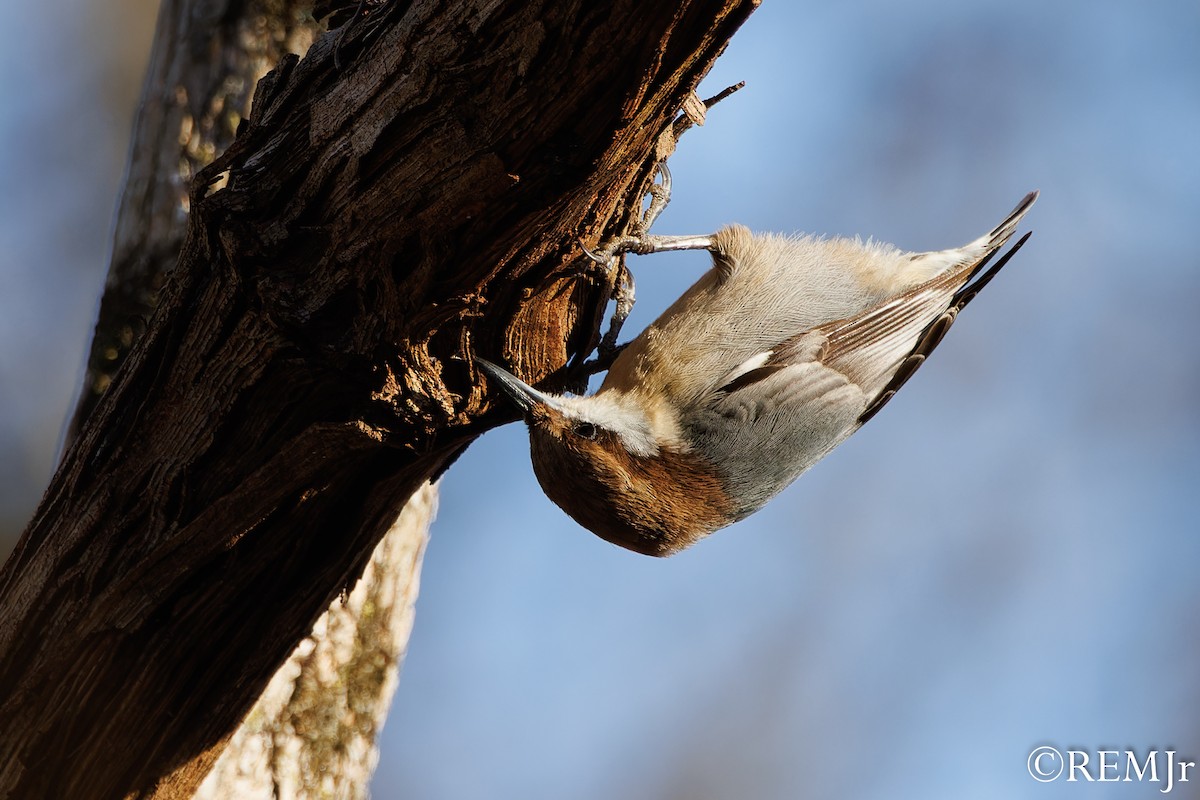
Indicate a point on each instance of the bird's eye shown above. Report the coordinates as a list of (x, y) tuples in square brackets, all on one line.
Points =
[(585, 430)]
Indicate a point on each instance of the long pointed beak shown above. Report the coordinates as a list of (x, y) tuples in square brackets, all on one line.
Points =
[(524, 396)]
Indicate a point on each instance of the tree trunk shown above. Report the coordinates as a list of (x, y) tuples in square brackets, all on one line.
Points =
[(410, 193), (313, 731), (206, 59)]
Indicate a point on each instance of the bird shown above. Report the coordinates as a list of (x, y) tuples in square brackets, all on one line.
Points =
[(785, 347)]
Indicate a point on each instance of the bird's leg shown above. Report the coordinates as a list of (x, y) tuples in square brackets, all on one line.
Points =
[(640, 242), (645, 245), (660, 196), (623, 295)]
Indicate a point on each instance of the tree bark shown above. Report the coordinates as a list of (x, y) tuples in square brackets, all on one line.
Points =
[(313, 731), (206, 58), (410, 193)]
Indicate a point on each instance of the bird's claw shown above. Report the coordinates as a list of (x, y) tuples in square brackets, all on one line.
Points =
[(623, 295), (660, 196), (640, 241), (602, 260)]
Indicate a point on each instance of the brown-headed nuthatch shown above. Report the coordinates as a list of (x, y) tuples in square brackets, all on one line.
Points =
[(776, 355)]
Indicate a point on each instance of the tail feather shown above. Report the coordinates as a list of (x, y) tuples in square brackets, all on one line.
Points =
[(936, 262), (936, 330), (1001, 233)]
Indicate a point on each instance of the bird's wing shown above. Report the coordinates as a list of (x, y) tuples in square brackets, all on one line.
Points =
[(874, 352), (881, 349)]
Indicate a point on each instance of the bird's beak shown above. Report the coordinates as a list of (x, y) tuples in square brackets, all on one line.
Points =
[(524, 396)]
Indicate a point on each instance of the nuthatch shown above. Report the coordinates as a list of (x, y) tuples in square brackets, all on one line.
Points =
[(776, 355)]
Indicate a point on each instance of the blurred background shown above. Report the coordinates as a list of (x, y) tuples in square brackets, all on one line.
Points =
[(1006, 557)]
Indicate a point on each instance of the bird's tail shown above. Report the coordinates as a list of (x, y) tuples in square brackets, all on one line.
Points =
[(937, 262), (961, 284)]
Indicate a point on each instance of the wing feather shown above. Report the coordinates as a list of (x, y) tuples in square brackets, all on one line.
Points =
[(879, 349)]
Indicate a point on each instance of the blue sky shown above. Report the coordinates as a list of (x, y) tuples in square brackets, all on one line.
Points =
[(1005, 557)]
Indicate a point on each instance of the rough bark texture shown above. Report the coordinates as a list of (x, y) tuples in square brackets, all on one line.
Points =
[(380, 217), (313, 731), (207, 57)]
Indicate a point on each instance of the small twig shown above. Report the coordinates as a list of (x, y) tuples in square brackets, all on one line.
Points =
[(721, 95), (684, 121)]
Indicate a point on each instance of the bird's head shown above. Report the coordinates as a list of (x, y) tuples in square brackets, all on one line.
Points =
[(601, 460)]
